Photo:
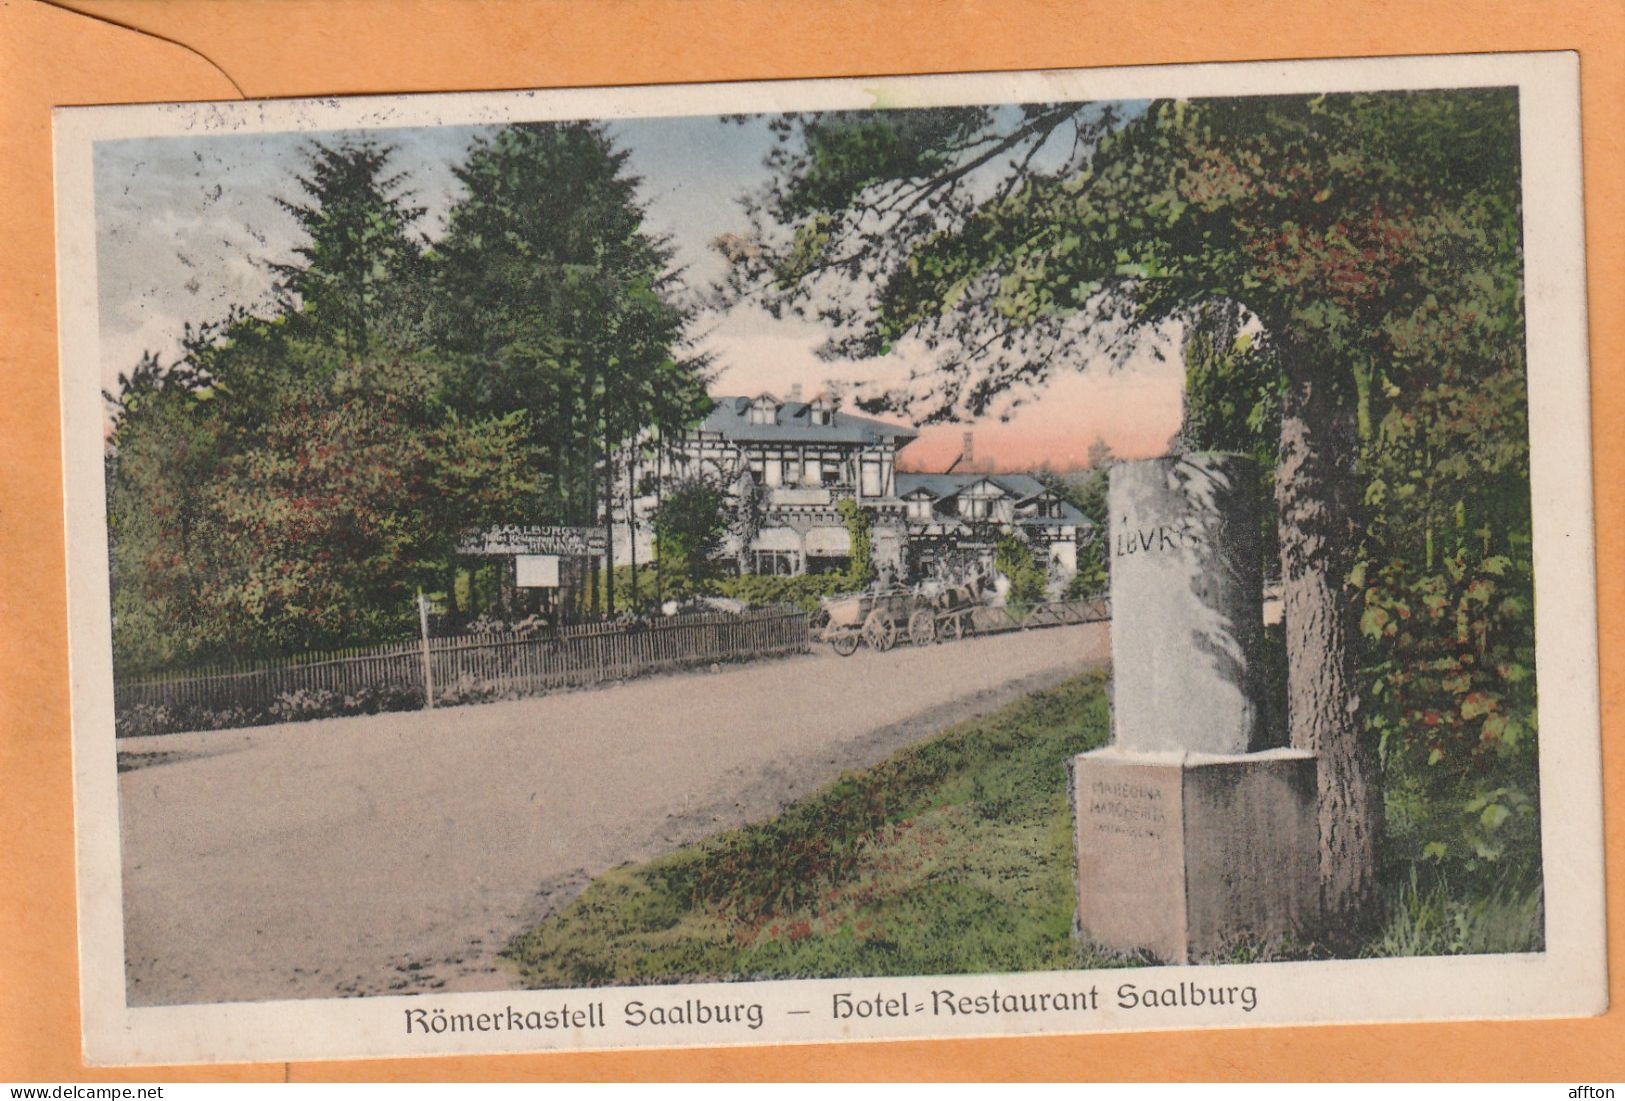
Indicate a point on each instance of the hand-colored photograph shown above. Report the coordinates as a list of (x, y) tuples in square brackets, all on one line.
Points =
[(1089, 540)]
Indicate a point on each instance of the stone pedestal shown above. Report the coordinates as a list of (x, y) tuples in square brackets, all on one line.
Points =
[(1196, 828), (1184, 854)]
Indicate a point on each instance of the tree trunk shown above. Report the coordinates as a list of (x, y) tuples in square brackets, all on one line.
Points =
[(609, 519), (632, 604), (660, 501), (1318, 497)]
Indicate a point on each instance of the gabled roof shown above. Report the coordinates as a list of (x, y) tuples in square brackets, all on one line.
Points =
[(1023, 487), (937, 485), (793, 424)]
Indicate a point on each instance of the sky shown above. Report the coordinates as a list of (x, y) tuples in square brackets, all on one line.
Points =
[(187, 226)]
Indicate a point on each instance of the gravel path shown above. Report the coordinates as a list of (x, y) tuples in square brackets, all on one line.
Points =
[(400, 852)]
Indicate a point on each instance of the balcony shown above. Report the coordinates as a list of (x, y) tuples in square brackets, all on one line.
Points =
[(807, 496)]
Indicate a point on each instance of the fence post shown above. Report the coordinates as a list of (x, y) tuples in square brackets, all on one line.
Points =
[(428, 665)]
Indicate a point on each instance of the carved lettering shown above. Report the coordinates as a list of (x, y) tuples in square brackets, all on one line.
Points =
[(1162, 537), (1127, 809)]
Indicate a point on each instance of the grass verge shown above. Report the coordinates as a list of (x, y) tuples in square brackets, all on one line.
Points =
[(953, 856)]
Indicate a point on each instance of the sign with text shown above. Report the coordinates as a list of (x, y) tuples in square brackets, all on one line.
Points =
[(536, 571), (518, 539)]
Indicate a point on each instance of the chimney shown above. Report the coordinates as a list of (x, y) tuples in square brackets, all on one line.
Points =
[(795, 391), (968, 455)]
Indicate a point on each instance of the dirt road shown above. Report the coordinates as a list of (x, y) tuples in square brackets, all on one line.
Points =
[(400, 852)]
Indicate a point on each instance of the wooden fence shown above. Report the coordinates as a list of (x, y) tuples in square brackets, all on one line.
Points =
[(1057, 613), (463, 667)]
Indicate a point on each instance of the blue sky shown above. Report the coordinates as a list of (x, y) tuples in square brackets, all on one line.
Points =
[(187, 225)]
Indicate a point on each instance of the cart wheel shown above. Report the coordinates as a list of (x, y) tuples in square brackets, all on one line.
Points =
[(922, 627), (879, 631), (845, 645), (953, 627)]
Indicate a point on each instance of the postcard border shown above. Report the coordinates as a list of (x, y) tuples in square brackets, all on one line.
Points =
[(1559, 428)]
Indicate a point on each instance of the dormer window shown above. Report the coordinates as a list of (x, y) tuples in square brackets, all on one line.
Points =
[(821, 413), (764, 410)]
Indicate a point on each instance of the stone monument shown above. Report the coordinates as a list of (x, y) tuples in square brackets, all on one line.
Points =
[(1196, 828)]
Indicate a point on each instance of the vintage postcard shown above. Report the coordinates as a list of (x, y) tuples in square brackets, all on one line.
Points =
[(1039, 552)]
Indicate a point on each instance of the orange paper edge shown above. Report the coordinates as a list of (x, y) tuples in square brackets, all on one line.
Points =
[(118, 51)]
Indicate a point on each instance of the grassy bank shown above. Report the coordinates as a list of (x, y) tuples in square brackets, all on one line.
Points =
[(954, 856)]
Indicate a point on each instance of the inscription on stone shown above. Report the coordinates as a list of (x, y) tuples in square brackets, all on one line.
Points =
[(1127, 809), (1131, 879), (1162, 537), (1191, 831), (1187, 625)]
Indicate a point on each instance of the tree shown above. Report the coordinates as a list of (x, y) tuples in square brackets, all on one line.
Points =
[(1012, 241), (160, 453), (291, 480), (549, 297), (1232, 401), (689, 527), (1013, 558), (357, 272)]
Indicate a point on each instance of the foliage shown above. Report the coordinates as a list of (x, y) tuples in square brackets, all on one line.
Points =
[(1232, 403), (355, 275), (1371, 241), (745, 520), (800, 591), (292, 480), (860, 570), (689, 525), (1014, 559), (142, 719), (1456, 710), (1442, 919), (1086, 491), (549, 297), (1090, 578)]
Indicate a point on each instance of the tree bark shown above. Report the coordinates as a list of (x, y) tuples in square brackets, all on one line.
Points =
[(1318, 497), (660, 501), (609, 518), (632, 525)]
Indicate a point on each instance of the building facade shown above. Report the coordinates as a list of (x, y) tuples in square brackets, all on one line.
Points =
[(954, 522), (802, 458)]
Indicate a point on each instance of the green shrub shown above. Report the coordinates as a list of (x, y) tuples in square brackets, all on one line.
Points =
[(801, 591), (1013, 558)]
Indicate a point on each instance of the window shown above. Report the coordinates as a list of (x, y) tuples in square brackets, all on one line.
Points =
[(758, 469), (919, 509), (773, 563), (829, 472), (764, 411), (871, 478), (821, 414), (817, 563), (791, 472)]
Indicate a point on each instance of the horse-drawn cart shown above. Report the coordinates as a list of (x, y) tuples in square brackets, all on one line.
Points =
[(886, 617)]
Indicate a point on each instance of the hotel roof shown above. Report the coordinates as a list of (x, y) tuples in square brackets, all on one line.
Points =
[(792, 423), (1022, 487)]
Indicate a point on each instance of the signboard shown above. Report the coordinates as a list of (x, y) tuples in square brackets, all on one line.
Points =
[(536, 571), (517, 539)]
